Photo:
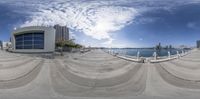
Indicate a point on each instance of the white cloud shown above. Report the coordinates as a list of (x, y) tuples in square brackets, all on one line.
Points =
[(95, 19), (141, 39), (192, 25)]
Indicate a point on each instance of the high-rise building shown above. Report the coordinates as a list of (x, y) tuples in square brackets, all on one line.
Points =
[(1, 45), (62, 33), (198, 44)]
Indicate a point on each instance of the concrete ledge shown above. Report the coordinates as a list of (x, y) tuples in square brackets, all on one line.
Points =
[(130, 59), (162, 60), (167, 59)]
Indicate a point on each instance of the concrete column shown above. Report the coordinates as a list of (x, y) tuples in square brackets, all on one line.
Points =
[(183, 52), (138, 55), (178, 55), (169, 55), (155, 55)]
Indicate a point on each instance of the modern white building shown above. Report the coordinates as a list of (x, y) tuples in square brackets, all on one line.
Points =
[(33, 39)]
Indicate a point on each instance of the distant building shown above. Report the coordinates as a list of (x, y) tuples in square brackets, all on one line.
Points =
[(158, 47), (33, 39), (1, 45), (5, 45), (198, 44), (62, 33)]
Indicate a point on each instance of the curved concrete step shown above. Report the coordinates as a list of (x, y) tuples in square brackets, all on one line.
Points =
[(16, 63), (97, 65), (13, 58), (175, 80), (184, 73), (68, 84), (197, 60), (105, 79), (12, 73), (20, 76), (184, 64)]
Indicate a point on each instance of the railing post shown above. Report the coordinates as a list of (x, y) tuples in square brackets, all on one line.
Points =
[(169, 55), (183, 53), (178, 55), (155, 55), (138, 55)]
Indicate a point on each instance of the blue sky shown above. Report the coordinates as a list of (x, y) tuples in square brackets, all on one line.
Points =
[(109, 23)]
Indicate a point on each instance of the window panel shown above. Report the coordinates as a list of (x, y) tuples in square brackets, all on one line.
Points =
[(19, 43), (19, 39), (19, 47), (28, 35), (28, 47), (38, 34), (28, 38), (38, 46), (30, 41), (39, 42), (38, 38)]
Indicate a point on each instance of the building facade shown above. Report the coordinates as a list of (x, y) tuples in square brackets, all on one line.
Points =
[(1, 45), (62, 33), (33, 39), (198, 44)]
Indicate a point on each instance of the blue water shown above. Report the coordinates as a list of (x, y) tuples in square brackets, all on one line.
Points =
[(146, 52)]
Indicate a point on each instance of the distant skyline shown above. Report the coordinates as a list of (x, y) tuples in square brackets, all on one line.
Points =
[(109, 23)]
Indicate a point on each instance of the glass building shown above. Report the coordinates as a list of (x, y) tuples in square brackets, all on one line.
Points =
[(30, 40), (33, 39)]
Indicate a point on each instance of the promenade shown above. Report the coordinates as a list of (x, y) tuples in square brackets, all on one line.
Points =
[(96, 74)]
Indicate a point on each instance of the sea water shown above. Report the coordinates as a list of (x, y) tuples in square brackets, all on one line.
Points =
[(146, 52)]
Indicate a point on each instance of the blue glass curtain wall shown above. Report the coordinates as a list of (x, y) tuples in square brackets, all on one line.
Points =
[(30, 40)]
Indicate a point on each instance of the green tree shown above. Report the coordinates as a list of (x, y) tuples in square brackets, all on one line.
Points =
[(67, 43)]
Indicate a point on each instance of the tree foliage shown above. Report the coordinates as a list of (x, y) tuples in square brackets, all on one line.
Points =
[(68, 43)]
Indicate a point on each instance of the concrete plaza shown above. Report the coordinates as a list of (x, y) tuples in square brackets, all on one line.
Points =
[(96, 74)]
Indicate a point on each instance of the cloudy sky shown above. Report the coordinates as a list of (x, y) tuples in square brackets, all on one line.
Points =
[(109, 23)]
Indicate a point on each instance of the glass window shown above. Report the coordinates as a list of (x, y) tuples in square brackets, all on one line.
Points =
[(39, 42), (38, 46), (28, 47), (28, 35), (33, 40), (28, 38), (28, 42), (19, 38), (39, 38), (19, 47), (19, 43)]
